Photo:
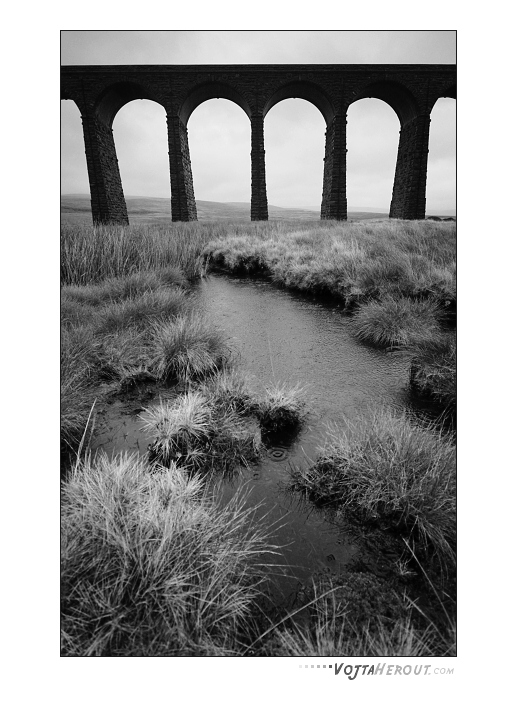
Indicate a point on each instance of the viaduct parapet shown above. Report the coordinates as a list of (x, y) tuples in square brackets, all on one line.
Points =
[(100, 91)]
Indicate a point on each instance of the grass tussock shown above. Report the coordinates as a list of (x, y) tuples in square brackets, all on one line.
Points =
[(397, 322), (394, 473), (187, 349), (282, 409), (221, 424), (433, 369), (151, 567), (357, 614), (201, 432), (330, 637)]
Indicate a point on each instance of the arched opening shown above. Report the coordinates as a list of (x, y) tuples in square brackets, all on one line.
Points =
[(304, 91), (75, 187), (372, 143), (211, 91), (140, 134), (441, 167), (294, 140), (219, 137), (114, 97), (395, 95)]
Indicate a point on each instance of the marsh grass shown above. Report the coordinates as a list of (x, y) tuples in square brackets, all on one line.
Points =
[(397, 322), (78, 373), (107, 336), (356, 614), (220, 424), (387, 470), (162, 302), (358, 261), (187, 348), (330, 637), (119, 288), (201, 432), (151, 566), (94, 254), (181, 429), (398, 278), (282, 409), (433, 369)]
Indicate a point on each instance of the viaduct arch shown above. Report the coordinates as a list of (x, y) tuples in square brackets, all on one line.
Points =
[(100, 91)]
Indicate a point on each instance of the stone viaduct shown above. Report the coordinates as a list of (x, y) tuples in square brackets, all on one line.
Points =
[(100, 91)]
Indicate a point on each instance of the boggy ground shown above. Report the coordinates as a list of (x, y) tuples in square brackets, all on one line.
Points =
[(396, 278), (151, 565)]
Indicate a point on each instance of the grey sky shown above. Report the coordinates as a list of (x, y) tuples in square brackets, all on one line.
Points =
[(219, 131)]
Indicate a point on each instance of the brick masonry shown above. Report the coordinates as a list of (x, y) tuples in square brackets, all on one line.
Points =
[(411, 90)]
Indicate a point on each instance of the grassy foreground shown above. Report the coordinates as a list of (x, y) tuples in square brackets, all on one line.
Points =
[(151, 566)]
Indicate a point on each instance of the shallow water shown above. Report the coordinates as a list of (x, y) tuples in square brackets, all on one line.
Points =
[(285, 337)]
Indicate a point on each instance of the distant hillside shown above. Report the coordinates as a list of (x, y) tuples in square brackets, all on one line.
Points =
[(76, 209)]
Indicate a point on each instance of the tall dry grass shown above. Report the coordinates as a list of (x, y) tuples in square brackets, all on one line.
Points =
[(94, 254)]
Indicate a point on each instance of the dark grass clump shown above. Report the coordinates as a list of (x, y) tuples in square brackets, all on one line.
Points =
[(281, 410), (433, 370), (358, 614), (151, 566), (387, 471)]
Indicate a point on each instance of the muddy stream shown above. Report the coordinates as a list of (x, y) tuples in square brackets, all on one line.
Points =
[(285, 337)]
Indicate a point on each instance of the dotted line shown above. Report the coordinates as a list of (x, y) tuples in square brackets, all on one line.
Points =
[(330, 666)]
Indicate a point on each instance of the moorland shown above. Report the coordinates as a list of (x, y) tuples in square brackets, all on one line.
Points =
[(151, 564)]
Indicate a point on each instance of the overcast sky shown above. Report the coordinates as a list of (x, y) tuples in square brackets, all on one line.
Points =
[(219, 131)]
